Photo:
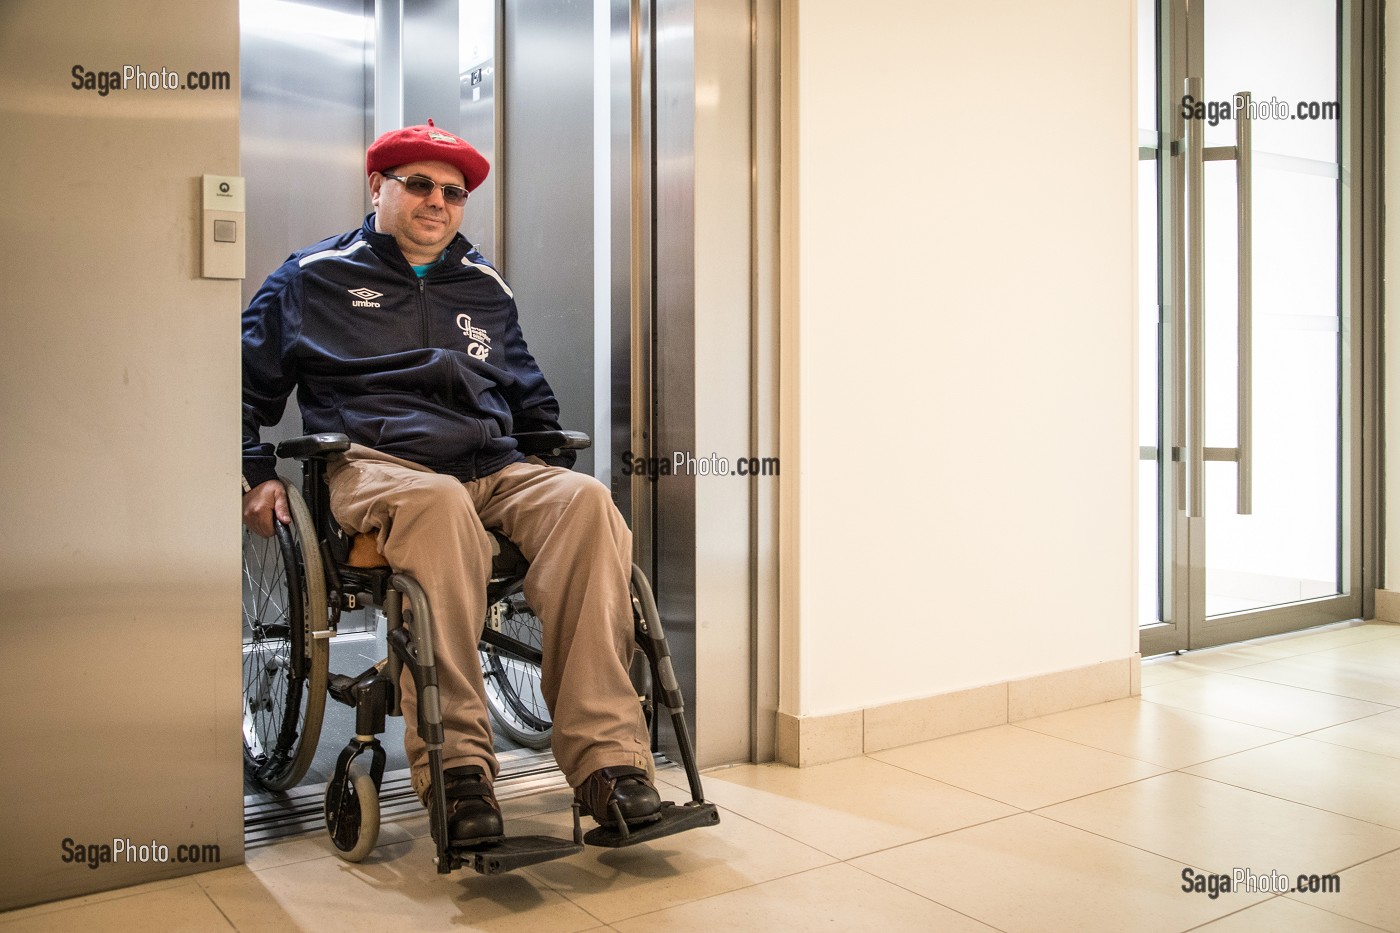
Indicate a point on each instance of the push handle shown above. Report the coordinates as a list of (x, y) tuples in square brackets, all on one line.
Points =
[(1244, 478), (1195, 307), (1196, 452)]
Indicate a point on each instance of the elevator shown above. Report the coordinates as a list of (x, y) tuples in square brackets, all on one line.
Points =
[(588, 111)]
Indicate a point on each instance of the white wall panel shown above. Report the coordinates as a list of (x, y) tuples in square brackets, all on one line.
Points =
[(964, 300)]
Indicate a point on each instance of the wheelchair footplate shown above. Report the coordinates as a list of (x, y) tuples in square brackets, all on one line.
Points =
[(673, 818), (511, 853), (496, 855)]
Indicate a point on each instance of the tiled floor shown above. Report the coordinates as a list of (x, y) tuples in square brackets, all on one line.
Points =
[(1279, 756)]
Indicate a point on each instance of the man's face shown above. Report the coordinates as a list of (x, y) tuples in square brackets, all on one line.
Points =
[(421, 225)]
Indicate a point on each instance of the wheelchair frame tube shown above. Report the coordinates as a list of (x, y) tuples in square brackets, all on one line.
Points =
[(425, 674), (429, 702), (393, 612), (649, 625)]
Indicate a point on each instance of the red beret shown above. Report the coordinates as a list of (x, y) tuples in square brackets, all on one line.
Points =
[(427, 144)]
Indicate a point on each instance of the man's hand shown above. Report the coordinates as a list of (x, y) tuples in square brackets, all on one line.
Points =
[(263, 502)]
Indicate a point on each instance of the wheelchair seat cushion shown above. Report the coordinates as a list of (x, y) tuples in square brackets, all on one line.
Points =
[(364, 552)]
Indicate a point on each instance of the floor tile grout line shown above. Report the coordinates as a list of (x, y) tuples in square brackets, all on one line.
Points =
[(311, 858), (1007, 803), (1360, 641), (1384, 712), (1130, 845), (527, 872), (1354, 748), (98, 897), (219, 907), (937, 835), (773, 829), (1371, 859), (1272, 729), (1285, 736), (1140, 848), (1233, 913), (1360, 819), (1323, 653), (1174, 680), (925, 897), (1242, 751), (1325, 693), (1331, 693), (1335, 913), (835, 860), (746, 887), (1260, 680), (948, 784)]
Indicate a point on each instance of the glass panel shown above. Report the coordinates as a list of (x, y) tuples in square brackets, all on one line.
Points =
[(1289, 548)]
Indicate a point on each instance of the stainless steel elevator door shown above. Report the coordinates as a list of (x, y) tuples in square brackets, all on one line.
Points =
[(547, 197)]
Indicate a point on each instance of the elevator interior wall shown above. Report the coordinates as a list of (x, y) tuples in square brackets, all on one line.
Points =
[(307, 116)]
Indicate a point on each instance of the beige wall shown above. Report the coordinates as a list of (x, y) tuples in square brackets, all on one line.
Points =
[(118, 616), (959, 345)]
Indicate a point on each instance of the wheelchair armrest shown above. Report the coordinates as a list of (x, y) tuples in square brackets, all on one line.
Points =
[(550, 443), (313, 446)]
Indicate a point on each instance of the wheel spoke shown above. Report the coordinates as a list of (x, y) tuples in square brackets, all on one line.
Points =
[(513, 690)]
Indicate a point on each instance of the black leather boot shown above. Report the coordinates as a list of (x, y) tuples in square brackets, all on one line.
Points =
[(473, 816), (628, 787)]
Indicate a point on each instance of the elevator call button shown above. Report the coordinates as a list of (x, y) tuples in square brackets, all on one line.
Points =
[(219, 229)]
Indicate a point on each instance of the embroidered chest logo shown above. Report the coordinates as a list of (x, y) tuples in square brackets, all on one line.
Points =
[(480, 340), (365, 297)]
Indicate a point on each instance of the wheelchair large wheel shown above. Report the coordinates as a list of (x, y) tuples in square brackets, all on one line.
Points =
[(284, 667), (513, 685)]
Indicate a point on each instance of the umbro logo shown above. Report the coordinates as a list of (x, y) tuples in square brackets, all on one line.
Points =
[(366, 297)]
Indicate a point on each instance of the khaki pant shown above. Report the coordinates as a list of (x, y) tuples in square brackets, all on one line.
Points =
[(433, 527)]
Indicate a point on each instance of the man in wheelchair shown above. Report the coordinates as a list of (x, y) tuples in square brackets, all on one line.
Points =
[(400, 335)]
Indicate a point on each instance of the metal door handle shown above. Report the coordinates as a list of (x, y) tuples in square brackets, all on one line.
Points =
[(1195, 307), (1244, 478), (1196, 157)]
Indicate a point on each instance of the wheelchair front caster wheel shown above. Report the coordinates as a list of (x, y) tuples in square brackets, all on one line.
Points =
[(352, 814)]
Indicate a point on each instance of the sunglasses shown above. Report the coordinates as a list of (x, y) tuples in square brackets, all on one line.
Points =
[(421, 187)]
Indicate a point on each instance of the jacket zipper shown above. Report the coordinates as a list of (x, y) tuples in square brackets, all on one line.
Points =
[(423, 310)]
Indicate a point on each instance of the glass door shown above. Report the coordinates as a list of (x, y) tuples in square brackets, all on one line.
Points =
[(1252, 328)]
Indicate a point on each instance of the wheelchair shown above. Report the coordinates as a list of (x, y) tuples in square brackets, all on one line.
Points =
[(295, 587)]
